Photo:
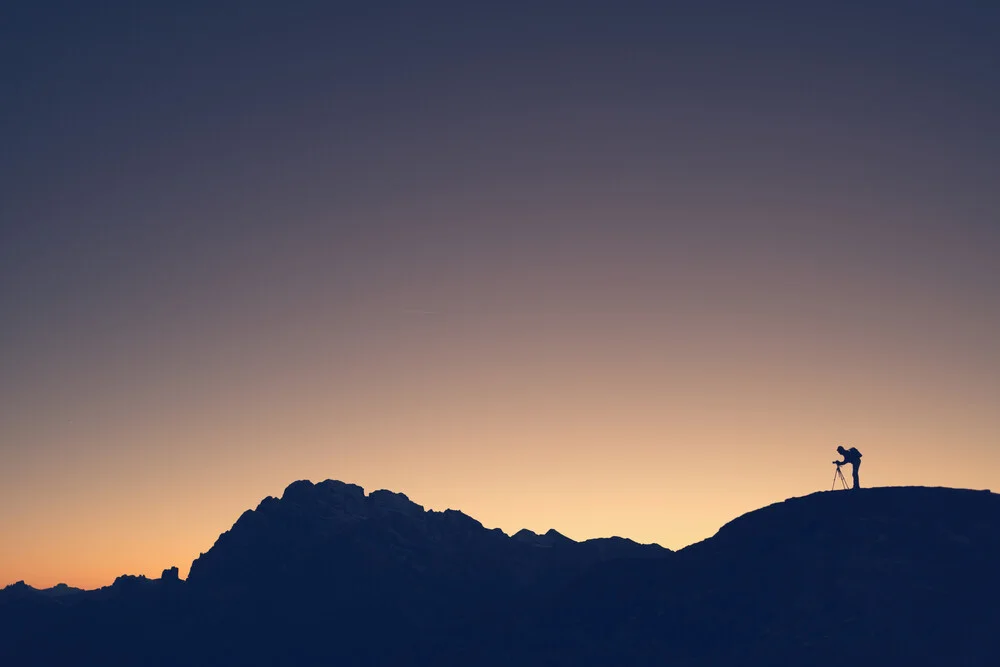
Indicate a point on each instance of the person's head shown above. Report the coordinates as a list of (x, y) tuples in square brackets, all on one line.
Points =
[(840, 448)]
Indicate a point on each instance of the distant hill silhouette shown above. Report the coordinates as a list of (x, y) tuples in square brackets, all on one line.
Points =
[(22, 590), (329, 575)]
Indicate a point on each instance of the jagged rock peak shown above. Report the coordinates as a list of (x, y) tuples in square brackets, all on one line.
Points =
[(550, 538), (61, 590), (458, 516), (525, 535), (341, 488), (555, 535), (130, 581), (343, 498), (304, 489), (18, 586), (390, 501)]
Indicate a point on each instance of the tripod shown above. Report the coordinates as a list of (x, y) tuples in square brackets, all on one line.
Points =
[(843, 481)]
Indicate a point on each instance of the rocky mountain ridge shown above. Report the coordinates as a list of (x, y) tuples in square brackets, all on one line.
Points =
[(328, 575)]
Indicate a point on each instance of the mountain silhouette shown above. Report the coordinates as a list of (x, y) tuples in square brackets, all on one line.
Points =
[(22, 591), (329, 575)]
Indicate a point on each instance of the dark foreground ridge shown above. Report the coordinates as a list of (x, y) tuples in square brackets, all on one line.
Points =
[(327, 575)]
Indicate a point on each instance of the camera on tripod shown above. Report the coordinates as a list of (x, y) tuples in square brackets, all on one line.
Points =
[(839, 475)]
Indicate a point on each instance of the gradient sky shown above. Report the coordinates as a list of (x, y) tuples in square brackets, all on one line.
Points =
[(613, 268)]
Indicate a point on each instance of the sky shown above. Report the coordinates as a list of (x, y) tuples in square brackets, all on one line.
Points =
[(611, 268)]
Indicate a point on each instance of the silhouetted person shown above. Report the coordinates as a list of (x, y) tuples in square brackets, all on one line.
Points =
[(852, 456)]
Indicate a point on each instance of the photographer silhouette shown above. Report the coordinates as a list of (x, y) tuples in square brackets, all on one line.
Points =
[(852, 456)]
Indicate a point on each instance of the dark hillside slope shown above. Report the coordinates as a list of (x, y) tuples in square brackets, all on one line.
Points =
[(881, 576)]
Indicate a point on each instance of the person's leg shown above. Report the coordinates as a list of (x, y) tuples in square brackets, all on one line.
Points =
[(857, 484)]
